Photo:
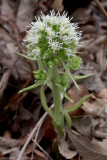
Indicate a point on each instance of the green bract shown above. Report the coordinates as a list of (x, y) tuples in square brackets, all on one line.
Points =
[(40, 74)]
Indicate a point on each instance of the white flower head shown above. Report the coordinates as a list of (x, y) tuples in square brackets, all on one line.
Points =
[(52, 35)]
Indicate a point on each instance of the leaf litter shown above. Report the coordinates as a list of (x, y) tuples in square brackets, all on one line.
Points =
[(19, 113), (89, 149)]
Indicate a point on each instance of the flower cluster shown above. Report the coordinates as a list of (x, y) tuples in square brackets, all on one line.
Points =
[(53, 37)]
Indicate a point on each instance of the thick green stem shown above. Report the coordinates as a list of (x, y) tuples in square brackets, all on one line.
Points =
[(57, 102)]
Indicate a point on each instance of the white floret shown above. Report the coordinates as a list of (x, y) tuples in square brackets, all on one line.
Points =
[(62, 30), (66, 39), (38, 25), (33, 38), (69, 52), (50, 19), (50, 32), (64, 21), (36, 53), (55, 45)]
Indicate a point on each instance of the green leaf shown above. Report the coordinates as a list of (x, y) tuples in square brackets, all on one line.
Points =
[(77, 105), (68, 120), (49, 84), (37, 84), (74, 80), (25, 56), (48, 76), (40, 65), (44, 103), (69, 74), (64, 93), (82, 77)]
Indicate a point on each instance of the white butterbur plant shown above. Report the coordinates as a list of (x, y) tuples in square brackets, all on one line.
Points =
[(52, 40)]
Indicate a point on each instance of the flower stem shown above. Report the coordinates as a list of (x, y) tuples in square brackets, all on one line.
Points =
[(57, 102)]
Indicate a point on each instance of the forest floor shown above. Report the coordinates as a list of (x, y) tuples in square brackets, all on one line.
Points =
[(20, 113)]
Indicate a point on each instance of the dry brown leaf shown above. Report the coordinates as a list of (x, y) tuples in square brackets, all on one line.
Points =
[(103, 112), (20, 68), (64, 149), (88, 29), (7, 134), (7, 145), (101, 60), (23, 69), (40, 154), (94, 82), (47, 129), (37, 153), (102, 93), (25, 14), (15, 153), (77, 158), (84, 17), (93, 108), (83, 125), (89, 150), (24, 114), (100, 134), (99, 124), (7, 10), (57, 5), (99, 128)]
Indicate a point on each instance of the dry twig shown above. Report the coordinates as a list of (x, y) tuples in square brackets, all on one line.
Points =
[(35, 140), (32, 134), (101, 7), (42, 150)]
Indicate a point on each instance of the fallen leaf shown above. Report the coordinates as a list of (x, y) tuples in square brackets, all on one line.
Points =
[(102, 93), (40, 154), (64, 148), (94, 83), (101, 60), (47, 130), (88, 29), (99, 124), (89, 150), (77, 158), (92, 108), (24, 114), (57, 5), (15, 153), (83, 125), (23, 69), (7, 134), (25, 14), (37, 153), (7, 145), (7, 10), (103, 112)]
